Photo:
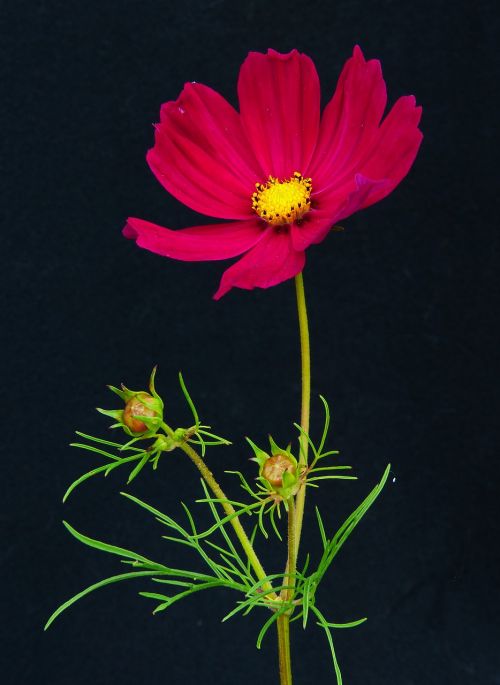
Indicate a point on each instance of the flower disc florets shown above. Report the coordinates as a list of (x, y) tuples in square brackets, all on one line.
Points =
[(282, 202)]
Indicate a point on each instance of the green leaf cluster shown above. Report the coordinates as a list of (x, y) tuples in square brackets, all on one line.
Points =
[(220, 563), (224, 567)]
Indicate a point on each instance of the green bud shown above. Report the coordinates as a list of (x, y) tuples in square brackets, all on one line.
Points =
[(275, 468), (278, 471), (143, 412), (138, 409)]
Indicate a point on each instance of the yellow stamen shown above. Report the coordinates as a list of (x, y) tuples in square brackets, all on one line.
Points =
[(282, 202)]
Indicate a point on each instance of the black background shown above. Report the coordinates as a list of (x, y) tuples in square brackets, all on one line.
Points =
[(402, 315)]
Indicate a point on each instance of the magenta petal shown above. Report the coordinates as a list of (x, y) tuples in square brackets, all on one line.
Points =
[(280, 104), (358, 160), (338, 206), (201, 155), (360, 197), (197, 243), (312, 230), (396, 147), (270, 262), (350, 120)]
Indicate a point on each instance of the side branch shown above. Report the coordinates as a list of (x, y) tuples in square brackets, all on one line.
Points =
[(209, 478)]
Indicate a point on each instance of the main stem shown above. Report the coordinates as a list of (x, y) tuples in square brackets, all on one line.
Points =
[(305, 356), (296, 506), (283, 622), (292, 545), (285, 664)]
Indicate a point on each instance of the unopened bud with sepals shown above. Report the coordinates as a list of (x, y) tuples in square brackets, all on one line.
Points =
[(278, 471), (143, 412)]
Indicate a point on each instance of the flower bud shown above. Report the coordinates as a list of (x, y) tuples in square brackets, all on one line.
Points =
[(140, 405), (278, 471), (274, 468), (143, 412)]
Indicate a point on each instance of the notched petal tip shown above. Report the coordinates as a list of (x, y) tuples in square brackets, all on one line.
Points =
[(284, 55), (279, 98), (272, 53), (409, 103), (359, 55), (128, 231), (181, 106), (357, 52), (373, 64)]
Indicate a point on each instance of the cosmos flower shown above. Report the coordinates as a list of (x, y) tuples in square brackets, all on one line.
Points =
[(279, 175)]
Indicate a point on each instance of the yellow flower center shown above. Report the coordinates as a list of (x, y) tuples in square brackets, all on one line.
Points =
[(282, 202)]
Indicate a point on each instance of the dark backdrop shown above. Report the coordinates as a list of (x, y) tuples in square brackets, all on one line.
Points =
[(402, 315)]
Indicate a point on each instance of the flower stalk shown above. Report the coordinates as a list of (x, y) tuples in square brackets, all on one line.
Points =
[(292, 546), (283, 623), (305, 356), (285, 664), (296, 504), (210, 480)]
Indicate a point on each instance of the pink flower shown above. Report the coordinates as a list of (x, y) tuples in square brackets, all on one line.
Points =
[(280, 174)]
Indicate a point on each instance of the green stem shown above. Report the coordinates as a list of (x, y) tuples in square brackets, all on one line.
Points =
[(283, 622), (285, 664), (305, 355), (291, 562), (209, 479), (296, 508)]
